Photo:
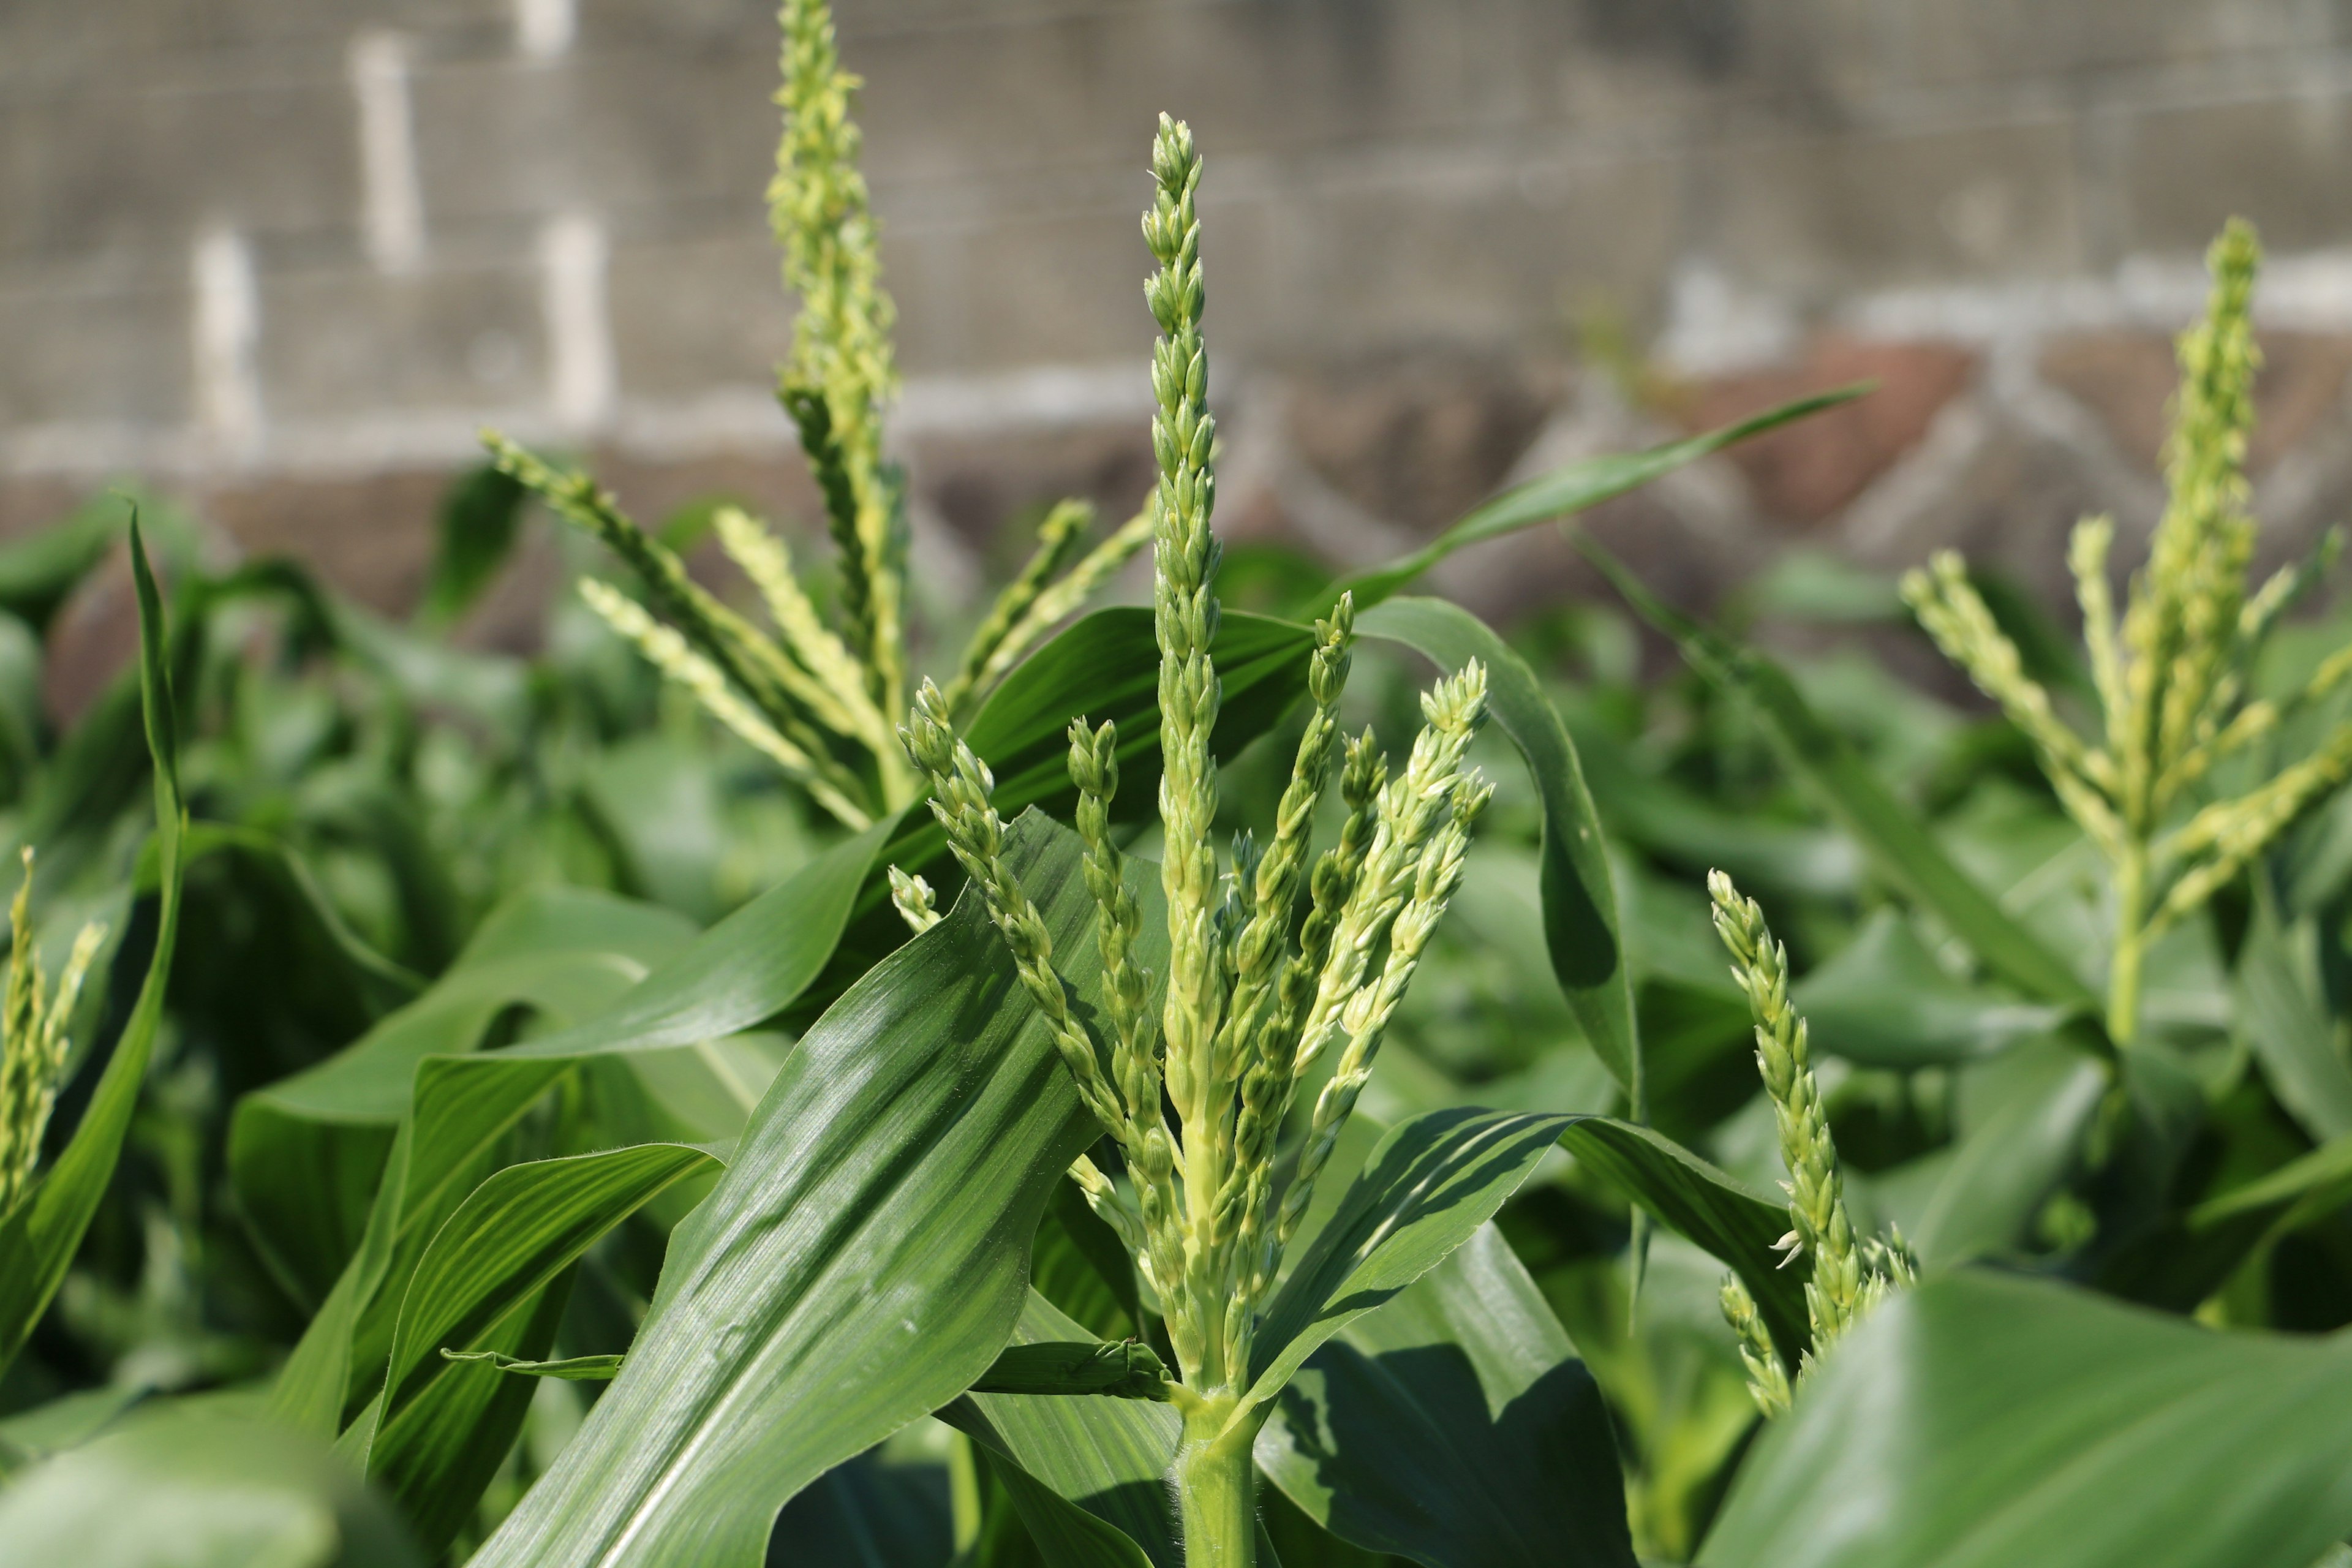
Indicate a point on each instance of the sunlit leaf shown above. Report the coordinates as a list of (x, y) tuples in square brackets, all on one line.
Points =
[(1976, 1421)]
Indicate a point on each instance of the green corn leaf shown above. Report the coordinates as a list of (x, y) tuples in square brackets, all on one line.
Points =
[(480, 514), (1901, 846), (1088, 1474), (447, 1443), (1123, 1369), (1996, 1178), (2286, 1019), (40, 1236), (185, 1487), (1580, 902), (1707, 1207), (1428, 1185), (1567, 490), (912, 1141), (569, 1369), (1975, 1422), (505, 1251), (1884, 1001), (306, 1152), (287, 876), (1454, 1427)]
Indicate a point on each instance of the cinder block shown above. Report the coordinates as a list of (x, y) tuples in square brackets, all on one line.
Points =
[(2278, 162), (1063, 288), (690, 315), (1488, 258), (140, 171), (348, 343), (83, 353), (1994, 40), (1825, 215), (499, 139)]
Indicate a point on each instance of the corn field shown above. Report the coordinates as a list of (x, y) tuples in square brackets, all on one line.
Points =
[(790, 1076)]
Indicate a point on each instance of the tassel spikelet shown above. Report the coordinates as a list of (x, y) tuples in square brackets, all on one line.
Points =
[(912, 898), (33, 1047), (1849, 1276), (825, 692), (1257, 994), (2171, 672)]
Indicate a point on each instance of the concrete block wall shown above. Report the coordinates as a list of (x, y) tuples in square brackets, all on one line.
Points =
[(285, 254)]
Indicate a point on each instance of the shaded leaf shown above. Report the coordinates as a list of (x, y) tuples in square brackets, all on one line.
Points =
[(1454, 1427), (1707, 1207), (40, 1236), (1884, 1001), (1900, 845), (1430, 1184), (1580, 902), (1087, 1473)]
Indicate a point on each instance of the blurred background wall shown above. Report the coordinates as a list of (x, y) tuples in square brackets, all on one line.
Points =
[(282, 258)]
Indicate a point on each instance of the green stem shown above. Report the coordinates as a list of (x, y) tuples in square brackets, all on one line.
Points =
[(2131, 928), (1216, 1486)]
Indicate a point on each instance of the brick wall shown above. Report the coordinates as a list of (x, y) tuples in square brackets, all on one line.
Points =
[(284, 256)]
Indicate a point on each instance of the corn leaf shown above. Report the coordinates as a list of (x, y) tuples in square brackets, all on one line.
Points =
[(1088, 1474), (186, 1488), (1574, 488), (1976, 1421), (1706, 1206), (306, 1152), (502, 1253), (40, 1236), (1580, 902), (1884, 1001), (1900, 845), (1454, 1427), (861, 1262), (1428, 1185)]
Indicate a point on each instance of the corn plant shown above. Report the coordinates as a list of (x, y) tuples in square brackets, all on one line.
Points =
[(2174, 676), (820, 700), (1099, 1213)]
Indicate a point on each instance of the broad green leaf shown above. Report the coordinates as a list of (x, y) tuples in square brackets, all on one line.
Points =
[(297, 884), (1580, 902), (1884, 1001), (1996, 1178), (179, 1488), (459, 1109), (67, 1422), (861, 1262), (1707, 1207), (1430, 1184), (1574, 488), (1454, 1427), (2284, 1017), (40, 1236), (1977, 1422), (306, 1152), (497, 1260), (479, 514), (1903, 850), (1088, 1474), (745, 970), (447, 1443)]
